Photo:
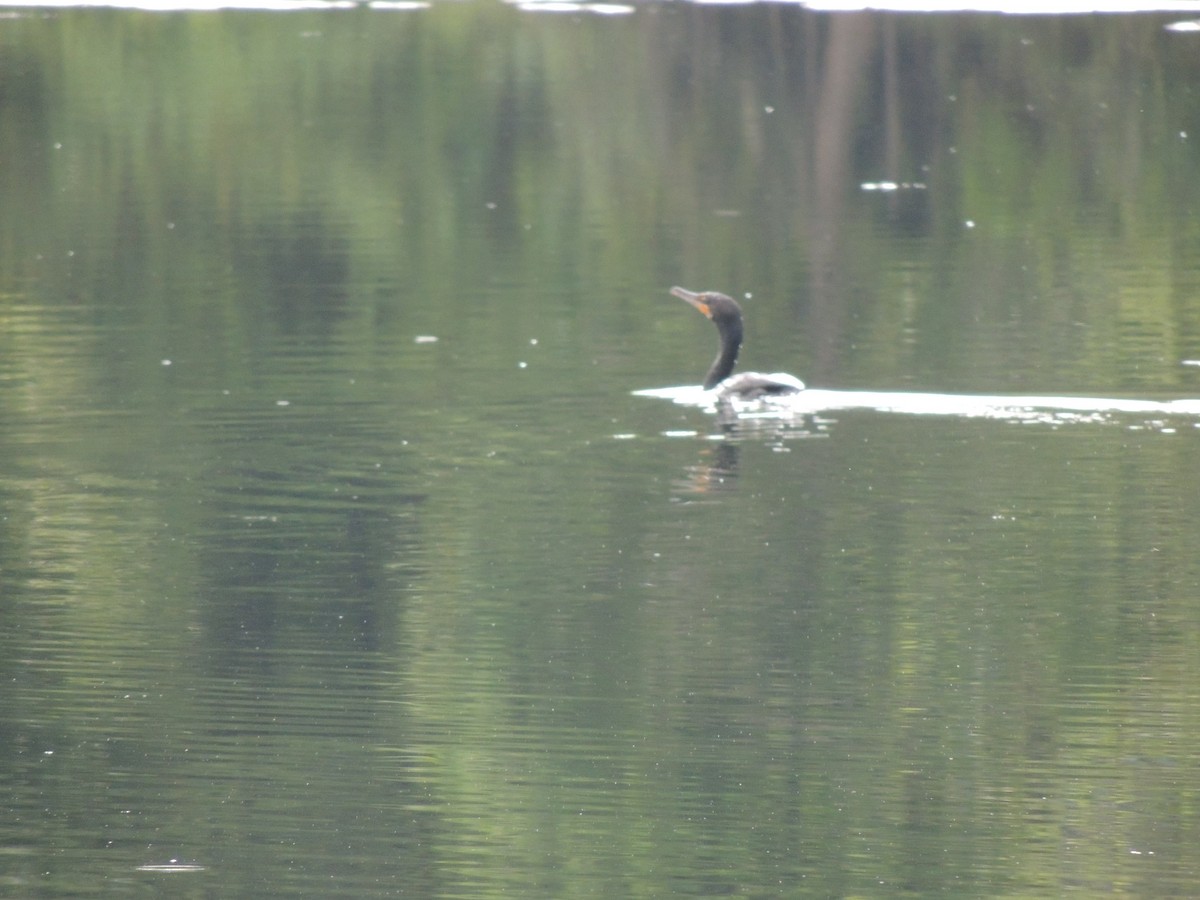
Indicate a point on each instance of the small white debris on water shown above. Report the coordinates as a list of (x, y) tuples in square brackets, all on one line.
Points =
[(165, 362), (283, 402), (888, 186), (969, 223), (173, 866), (522, 365), (425, 339)]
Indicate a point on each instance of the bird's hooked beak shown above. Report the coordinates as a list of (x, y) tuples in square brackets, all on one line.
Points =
[(697, 300)]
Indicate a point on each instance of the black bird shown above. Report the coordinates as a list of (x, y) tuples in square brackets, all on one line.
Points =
[(727, 316)]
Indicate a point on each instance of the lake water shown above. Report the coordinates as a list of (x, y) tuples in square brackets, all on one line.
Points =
[(339, 559)]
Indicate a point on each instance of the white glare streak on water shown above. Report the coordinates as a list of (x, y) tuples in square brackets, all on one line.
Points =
[(1054, 7), (1023, 408)]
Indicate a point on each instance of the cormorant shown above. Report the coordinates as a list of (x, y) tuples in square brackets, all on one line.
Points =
[(727, 316)]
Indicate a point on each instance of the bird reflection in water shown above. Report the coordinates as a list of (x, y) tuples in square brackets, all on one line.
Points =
[(720, 456), (715, 473)]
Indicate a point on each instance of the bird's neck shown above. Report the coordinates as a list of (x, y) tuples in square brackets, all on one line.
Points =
[(731, 342)]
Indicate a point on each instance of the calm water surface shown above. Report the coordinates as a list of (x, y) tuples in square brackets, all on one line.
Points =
[(337, 558)]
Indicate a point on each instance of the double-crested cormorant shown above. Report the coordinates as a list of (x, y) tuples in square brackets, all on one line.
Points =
[(727, 316)]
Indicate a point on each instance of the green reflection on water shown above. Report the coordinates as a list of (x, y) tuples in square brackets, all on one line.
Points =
[(325, 608)]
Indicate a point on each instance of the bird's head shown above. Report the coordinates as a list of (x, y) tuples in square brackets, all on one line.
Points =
[(722, 310)]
